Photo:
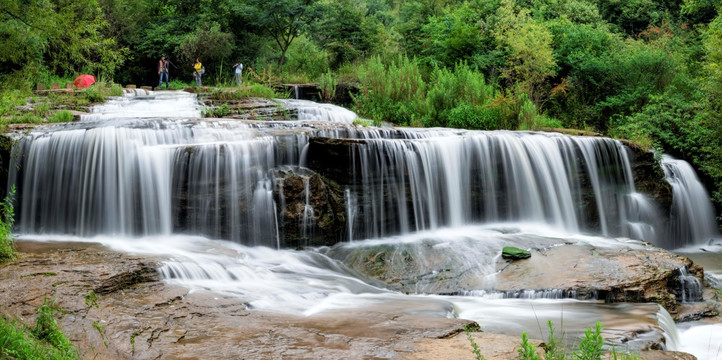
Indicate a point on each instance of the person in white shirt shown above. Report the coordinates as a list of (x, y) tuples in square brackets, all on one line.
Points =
[(239, 70)]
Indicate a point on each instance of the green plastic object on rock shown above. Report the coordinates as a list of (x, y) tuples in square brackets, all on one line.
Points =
[(512, 253)]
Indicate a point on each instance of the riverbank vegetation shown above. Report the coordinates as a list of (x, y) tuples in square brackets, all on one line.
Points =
[(7, 220), (643, 70), (43, 341)]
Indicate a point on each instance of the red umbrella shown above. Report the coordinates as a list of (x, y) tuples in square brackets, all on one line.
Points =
[(84, 81)]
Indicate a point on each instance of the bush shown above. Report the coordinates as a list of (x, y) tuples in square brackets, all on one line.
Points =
[(93, 95), (466, 116), (7, 245), (392, 93)]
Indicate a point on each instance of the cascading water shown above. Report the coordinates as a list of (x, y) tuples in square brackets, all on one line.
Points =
[(443, 179), (692, 215), (143, 179), (690, 287)]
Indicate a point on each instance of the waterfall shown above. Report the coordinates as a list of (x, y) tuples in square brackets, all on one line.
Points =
[(310, 111), (690, 287), (669, 328), (114, 173), (426, 180), (692, 215)]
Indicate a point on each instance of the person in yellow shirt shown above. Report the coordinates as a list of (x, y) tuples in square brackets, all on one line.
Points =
[(199, 70)]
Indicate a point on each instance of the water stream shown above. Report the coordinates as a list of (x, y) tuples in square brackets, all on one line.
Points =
[(143, 173)]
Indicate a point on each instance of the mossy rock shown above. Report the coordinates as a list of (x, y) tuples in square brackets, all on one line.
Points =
[(513, 253)]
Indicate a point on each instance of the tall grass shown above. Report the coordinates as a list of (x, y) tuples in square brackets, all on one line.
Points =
[(393, 93)]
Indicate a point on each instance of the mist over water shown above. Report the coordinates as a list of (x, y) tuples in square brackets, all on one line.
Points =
[(144, 174)]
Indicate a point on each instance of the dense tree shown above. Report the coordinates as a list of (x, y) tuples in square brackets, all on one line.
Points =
[(282, 20)]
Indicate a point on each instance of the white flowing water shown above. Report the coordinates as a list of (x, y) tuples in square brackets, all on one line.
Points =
[(143, 174), (312, 111), (692, 216), (702, 340)]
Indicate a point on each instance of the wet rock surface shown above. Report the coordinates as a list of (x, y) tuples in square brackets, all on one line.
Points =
[(140, 317), (582, 271), (312, 212)]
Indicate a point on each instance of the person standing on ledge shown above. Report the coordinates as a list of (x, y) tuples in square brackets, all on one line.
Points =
[(199, 70), (163, 72), (239, 71)]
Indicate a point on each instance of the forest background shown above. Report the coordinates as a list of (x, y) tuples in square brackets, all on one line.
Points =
[(644, 70)]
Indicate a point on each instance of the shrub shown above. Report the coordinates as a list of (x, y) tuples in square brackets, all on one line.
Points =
[(392, 93), (7, 245), (116, 90), (466, 116), (93, 95)]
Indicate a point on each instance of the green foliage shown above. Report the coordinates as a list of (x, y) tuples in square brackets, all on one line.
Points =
[(282, 20), (452, 37), (527, 351), (346, 33), (254, 90), (209, 43), (306, 61), (17, 343), (591, 346), (552, 349), (7, 245), (46, 329), (93, 95), (456, 89), (466, 116), (393, 93), (91, 299), (328, 86), (60, 116), (217, 112), (528, 43), (474, 346)]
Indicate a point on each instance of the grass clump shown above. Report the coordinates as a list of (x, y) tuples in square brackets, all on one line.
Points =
[(217, 112), (60, 116), (91, 299), (46, 328), (16, 342), (7, 220)]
